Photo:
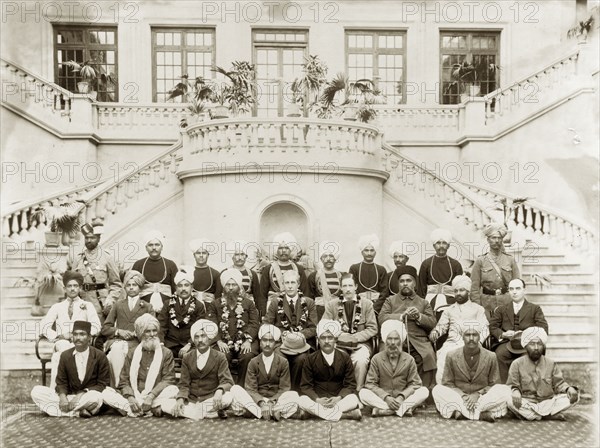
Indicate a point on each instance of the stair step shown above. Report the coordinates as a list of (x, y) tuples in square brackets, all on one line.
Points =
[(560, 286), (566, 327), (569, 309), (547, 266), (566, 296)]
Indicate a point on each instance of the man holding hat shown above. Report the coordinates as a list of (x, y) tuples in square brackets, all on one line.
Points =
[(206, 278), (62, 315), (267, 393), (415, 312), (324, 283), (240, 253), (493, 271), (470, 386), (452, 322), (538, 390), (271, 277), (328, 388), (437, 272), (238, 321), (397, 254), (393, 385), (509, 321), (83, 373), (205, 383), (158, 271), (148, 376), (179, 314), (368, 275), (119, 326)]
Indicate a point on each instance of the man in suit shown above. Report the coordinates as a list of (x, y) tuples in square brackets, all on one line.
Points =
[(267, 391), (509, 321), (148, 376), (393, 385), (205, 383), (296, 317), (328, 388), (179, 314), (469, 387), (119, 326), (83, 373), (359, 326), (369, 276)]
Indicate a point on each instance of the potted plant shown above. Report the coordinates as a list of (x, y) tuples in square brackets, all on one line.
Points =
[(197, 95), (357, 98), (91, 78), (48, 286), (240, 93), (64, 221), (508, 206), (582, 29), (307, 87)]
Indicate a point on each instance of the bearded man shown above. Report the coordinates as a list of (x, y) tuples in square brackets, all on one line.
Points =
[(324, 283)]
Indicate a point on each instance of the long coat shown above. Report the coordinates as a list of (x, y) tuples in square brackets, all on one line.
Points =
[(456, 372)]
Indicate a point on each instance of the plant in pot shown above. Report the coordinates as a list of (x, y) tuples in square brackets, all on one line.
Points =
[(508, 206), (581, 30), (308, 87), (464, 80), (196, 95), (48, 286), (240, 92), (63, 221), (357, 98), (91, 78)]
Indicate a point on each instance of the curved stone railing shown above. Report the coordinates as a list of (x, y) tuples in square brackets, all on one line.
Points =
[(540, 220)]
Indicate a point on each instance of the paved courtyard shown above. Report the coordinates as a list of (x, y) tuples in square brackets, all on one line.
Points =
[(29, 428)]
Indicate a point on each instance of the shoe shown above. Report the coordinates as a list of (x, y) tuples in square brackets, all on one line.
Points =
[(555, 417), (277, 415), (157, 411), (487, 417), (457, 415), (84, 413), (408, 413), (381, 412), (353, 415), (222, 414)]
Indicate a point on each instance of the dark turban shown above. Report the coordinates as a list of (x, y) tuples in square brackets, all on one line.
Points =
[(72, 275), (410, 270)]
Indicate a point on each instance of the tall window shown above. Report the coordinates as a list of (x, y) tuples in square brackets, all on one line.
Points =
[(380, 57), (278, 56), (96, 45), (178, 52), (460, 49)]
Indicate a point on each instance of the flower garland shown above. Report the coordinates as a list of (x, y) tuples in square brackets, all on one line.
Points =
[(355, 321), (240, 336), (284, 319), (173, 315)]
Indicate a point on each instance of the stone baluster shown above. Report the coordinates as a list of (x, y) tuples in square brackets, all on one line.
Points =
[(111, 204), (100, 210), (528, 218), (537, 222)]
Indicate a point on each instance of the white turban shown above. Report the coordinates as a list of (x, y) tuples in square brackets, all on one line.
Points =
[(333, 326), (269, 329), (441, 235), (396, 246), (531, 333), (154, 235), (393, 325), (462, 281), (368, 240), (462, 327), (231, 274), (200, 243), (209, 327), (285, 239), (183, 275), (136, 276), (242, 247), (329, 248), (144, 322), (495, 228)]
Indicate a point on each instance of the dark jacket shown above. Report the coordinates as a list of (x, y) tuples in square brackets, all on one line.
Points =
[(260, 384), (319, 379), (503, 318), (97, 373), (171, 335), (456, 372), (199, 385)]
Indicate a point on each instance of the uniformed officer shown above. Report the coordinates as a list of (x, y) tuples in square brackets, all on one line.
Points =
[(493, 271)]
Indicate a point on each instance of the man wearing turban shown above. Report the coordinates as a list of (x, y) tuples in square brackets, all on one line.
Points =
[(324, 283), (454, 320), (470, 386), (328, 388), (205, 383), (119, 326), (369, 276), (206, 278), (158, 271), (148, 375), (493, 271), (393, 385), (240, 251), (238, 321), (437, 272), (62, 315), (418, 317), (539, 390), (179, 314), (271, 277), (266, 393)]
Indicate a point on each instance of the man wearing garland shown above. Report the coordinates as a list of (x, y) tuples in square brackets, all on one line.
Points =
[(398, 255), (206, 278), (369, 276), (296, 317), (271, 277), (158, 271), (179, 314), (437, 272), (238, 321), (250, 284), (359, 325), (324, 283)]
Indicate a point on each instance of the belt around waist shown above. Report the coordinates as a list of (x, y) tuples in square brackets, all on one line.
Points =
[(93, 286), (494, 292)]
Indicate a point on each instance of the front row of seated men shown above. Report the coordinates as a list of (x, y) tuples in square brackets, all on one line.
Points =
[(535, 389)]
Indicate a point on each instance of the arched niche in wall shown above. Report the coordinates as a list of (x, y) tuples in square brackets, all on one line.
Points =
[(281, 217)]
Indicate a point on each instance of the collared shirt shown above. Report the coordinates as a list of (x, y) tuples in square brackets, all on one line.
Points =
[(132, 302), (292, 300), (81, 359), (202, 359), (268, 361), (517, 306), (328, 357)]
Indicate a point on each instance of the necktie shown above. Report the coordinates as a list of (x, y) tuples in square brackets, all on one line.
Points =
[(70, 309)]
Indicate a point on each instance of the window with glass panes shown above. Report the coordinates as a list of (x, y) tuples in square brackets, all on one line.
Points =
[(480, 49), (95, 45), (278, 57), (378, 56), (178, 52)]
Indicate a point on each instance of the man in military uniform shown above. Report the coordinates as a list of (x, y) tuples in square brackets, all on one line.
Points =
[(369, 276), (493, 271), (325, 283)]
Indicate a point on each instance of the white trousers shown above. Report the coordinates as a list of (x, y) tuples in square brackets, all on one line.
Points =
[(369, 398), (334, 414), (199, 410), (287, 403), (115, 400), (441, 357), (48, 401), (59, 346), (360, 360), (116, 358), (530, 410), (447, 401)]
